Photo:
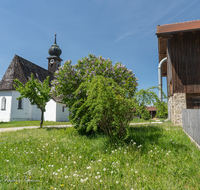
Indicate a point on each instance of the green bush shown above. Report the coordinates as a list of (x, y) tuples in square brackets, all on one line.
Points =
[(69, 85), (146, 115), (106, 107)]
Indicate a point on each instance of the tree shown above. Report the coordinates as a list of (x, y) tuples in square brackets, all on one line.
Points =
[(69, 77), (148, 97), (162, 109), (36, 92)]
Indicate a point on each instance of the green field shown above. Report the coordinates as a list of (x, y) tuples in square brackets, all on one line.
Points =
[(154, 157)]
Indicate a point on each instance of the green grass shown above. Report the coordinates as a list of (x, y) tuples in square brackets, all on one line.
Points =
[(30, 123), (154, 157)]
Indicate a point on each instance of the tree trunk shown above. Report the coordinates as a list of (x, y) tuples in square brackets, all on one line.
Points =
[(42, 116)]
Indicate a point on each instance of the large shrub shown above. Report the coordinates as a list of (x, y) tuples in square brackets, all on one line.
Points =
[(69, 77), (106, 107)]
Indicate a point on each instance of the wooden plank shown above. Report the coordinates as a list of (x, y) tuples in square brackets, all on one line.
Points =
[(185, 60)]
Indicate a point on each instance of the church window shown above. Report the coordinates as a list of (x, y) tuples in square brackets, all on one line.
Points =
[(20, 104), (3, 103)]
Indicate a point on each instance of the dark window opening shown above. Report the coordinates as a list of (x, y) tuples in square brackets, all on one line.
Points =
[(63, 109), (51, 65), (20, 104)]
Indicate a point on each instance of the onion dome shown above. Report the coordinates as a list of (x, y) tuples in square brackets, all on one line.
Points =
[(54, 50)]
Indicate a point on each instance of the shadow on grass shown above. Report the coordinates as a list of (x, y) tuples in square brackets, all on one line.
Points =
[(55, 128), (3, 122), (142, 134), (145, 135)]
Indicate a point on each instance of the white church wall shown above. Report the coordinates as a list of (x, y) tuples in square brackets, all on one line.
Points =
[(60, 115), (54, 110), (36, 113), (50, 114), (5, 113), (20, 114)]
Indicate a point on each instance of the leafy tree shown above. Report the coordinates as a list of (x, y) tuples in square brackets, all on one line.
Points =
[(162, 109), (69, 77), (148, 97), (36, 92), (106, 107)]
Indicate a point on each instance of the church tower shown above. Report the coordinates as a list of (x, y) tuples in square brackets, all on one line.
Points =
[(54, 60)]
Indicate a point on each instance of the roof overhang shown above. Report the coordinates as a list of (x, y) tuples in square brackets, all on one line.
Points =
[(167, 31)]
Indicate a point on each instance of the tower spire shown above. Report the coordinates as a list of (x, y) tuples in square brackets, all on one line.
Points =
[(55, 38), (54, 60)]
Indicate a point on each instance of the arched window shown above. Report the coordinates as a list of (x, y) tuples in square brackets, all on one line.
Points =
[(20, 106), (3, 103)]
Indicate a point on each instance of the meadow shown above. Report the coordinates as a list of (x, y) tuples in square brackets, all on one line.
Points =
[(154, 157)]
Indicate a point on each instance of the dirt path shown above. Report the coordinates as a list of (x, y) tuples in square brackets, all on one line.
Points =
[(58, 126)]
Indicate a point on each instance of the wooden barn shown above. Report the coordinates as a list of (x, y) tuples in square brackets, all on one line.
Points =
[(180, 44)]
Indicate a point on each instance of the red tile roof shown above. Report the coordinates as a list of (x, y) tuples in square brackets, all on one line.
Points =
[(178, 27), (151, 108)]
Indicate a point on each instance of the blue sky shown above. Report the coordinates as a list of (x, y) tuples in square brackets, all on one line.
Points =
[(122, 30)]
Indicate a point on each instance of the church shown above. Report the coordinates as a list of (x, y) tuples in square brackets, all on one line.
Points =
[(12, 109)]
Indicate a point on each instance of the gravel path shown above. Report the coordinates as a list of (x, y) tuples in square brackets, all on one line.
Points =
[(58, 126)]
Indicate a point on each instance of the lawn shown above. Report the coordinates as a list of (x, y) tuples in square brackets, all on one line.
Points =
[(30, 123), (154, 157)]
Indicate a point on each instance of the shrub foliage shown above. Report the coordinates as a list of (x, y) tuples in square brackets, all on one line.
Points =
[(71, 83), (106, 107)]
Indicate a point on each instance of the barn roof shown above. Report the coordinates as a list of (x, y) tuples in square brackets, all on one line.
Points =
[(178, 27), (166, 31), (151, 108)]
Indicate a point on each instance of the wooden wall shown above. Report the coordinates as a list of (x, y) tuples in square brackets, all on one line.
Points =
[(169, 70), (183, 51)]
